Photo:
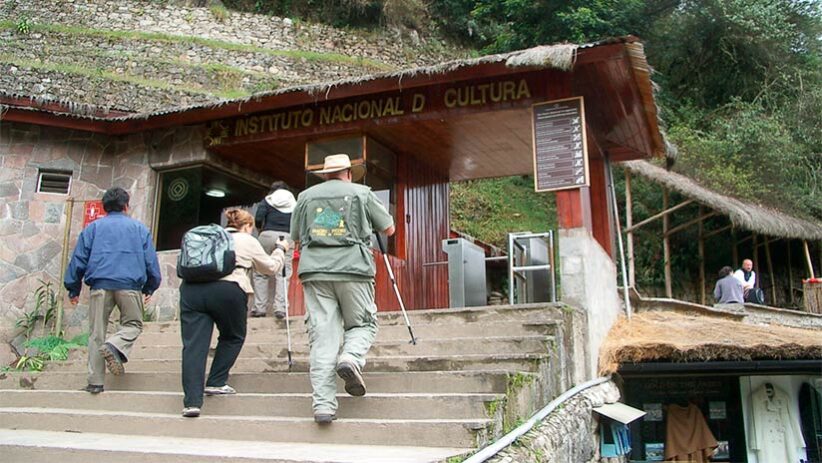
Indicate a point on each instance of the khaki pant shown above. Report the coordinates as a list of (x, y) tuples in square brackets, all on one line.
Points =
[(268, 289), (100, 307), (338, 312)]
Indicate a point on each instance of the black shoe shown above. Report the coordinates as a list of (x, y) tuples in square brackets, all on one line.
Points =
[(94, 388), (112, 358), (350, 373), (279, 314), (324, 418), (257, 314)]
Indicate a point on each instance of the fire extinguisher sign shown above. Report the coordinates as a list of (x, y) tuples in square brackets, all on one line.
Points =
[(92, 211)]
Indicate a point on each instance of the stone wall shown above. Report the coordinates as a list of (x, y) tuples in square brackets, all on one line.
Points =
[(32, 225), (148, 55), (588, 277), (568, 434)]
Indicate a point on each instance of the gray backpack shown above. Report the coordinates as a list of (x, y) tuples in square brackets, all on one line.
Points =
[(206, 254)]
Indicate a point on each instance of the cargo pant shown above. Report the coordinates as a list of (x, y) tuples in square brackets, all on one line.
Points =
[(100, 307), (268, 289), (338, 312)]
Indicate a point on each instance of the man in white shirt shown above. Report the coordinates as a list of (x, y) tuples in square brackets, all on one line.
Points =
[(746, 275)]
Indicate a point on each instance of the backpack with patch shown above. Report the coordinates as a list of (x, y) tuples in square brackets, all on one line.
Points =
[(206, 254), (334, 221)]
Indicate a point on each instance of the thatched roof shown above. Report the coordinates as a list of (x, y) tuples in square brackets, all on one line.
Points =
[(676, 337), (743, 214)]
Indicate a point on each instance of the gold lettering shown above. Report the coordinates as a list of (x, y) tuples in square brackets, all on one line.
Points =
[(474, 99), (286, 124), (253, 122), (364, 110), (496, 92), (450, 98), (241, 128), (398, 111), (523, 90), (509, 90), (347, 112), (418, 103), (325, 115), (307, 117), (337, 115), (388, 110), (463, 98), (376, 108), (483, 92)]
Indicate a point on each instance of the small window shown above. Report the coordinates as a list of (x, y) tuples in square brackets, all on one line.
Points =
[(54, 181)]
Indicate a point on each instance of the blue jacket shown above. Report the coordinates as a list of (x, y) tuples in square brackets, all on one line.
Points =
[(115, 252)]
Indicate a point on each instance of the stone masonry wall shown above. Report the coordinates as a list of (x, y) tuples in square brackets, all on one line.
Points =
[(32, 224), (568, 434)]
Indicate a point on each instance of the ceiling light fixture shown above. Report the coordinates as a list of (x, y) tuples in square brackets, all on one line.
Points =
[(215, 193)]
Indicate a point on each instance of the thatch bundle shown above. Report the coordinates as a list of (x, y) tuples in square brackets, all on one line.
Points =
[(745, 215), (676, 337)]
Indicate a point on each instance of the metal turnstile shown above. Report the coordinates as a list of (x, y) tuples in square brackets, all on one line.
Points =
[(531, 271), (466, 273)]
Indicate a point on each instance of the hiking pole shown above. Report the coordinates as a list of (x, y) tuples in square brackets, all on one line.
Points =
[(396, 288), (285, 296)]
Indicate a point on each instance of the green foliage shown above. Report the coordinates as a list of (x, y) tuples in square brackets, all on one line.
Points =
[(44, 311), (48, 348), (24, 25), (220, 13), (489, 209)]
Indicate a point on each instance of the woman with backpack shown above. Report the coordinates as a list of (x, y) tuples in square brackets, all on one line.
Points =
[(222, 302)]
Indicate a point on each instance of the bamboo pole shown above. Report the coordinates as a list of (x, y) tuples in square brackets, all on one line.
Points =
[(755, 258), (717, 231), (664, 213), (687, 224), (734, 250), (666, 245), (770, 271), (58, 322), (629, 220), (790, 274), (808, 259), (702, 296)]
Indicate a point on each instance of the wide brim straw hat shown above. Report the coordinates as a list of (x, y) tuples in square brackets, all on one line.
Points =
[(338, 162)]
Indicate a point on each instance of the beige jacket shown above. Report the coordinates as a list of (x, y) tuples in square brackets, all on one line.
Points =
[(250, 255)]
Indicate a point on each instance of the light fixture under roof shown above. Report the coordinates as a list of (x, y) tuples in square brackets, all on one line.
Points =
[(215, 193)]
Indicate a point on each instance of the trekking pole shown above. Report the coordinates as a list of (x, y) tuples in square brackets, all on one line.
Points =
[(287, 324), (396, 288)]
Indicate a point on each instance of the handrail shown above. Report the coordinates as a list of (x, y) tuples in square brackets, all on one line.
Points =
[(509, 438)]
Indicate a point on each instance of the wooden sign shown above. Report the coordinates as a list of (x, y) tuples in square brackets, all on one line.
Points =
[(560, 151), (92, 210)]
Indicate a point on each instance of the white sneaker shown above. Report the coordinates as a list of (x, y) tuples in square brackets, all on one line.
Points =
[(191, 412), (222, 390)]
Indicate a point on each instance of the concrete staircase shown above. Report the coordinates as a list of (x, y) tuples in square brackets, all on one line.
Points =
[(473, 374)]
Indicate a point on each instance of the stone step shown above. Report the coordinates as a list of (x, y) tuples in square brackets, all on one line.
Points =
[(492, 345), (433, 382), (388, 363), (372, 406), (34, 446), (277, 332), (433, 432)]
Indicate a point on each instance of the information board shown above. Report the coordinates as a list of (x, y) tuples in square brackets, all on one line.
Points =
[(560, 151)]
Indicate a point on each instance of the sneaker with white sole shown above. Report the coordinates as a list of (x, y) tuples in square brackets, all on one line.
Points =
[(191, 412), (221, 390)]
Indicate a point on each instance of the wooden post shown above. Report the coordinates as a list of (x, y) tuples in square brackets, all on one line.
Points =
[(790, 274), (734, 250), (702, 296), (629, 221), (58, 319), (808, 259), (755, 259), (770, 271), (666, 246)]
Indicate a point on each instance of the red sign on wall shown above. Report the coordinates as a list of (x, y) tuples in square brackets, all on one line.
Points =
[(92, 210)]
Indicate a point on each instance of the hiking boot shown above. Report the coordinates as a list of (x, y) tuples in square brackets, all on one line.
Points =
[(221, 390), (191, 412), (350, 373), (279, 314), (324, 418), (257, 314), (112, 358), (94, 388)]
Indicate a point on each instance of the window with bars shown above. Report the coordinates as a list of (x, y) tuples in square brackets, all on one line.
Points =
[(54, 181)]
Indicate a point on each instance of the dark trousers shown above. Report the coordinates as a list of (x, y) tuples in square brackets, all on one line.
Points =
[(202, 305)]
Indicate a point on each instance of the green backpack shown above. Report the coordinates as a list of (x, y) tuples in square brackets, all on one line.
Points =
[(334, 221)]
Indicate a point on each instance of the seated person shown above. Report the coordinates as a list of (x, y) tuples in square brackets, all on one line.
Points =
[(747, 277), (728, 289)]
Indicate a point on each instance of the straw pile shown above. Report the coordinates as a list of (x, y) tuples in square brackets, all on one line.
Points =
[(675, 337)]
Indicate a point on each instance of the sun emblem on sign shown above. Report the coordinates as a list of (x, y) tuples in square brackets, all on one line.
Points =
[(217, 131)]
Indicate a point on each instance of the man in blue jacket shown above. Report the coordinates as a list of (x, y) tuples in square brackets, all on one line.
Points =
[(116, 256)]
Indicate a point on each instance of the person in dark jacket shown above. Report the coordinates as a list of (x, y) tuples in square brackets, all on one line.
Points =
[(115, 255), (273, 221)]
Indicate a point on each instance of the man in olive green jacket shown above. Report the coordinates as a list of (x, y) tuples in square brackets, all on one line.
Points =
[(333, 223)]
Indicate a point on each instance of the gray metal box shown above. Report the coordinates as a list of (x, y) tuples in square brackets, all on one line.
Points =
[(466, 273)]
